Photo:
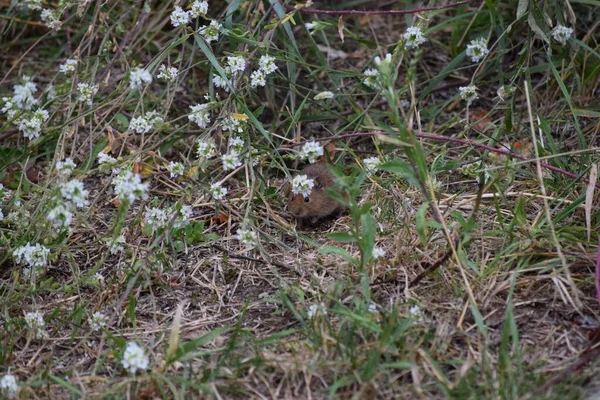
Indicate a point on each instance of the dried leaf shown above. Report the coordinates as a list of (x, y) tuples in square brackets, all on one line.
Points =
[(589, 199), (482, 119), (341, 28)]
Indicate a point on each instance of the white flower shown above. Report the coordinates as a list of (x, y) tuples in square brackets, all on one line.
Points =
[(231, 161), (247, 236), (65, 168), (35, 322), (258, 78), (254, 156), (468, 93), (137, 77), (236, 145), (311, 151), (324, 95), (316, 309), (504, 91), (74, 192), (23, 97), (86, 92), (235, 64), (373, 308), (371, 165), (69, 66), (180, 17), (414, 37), (233, 124), (183, 218), (267, 65), (378, 252), (97, 321), (302, 185), (176, 169), (107, 163), (31, 124), (210, 32), (116, 246), (169, 74), (156, 217), (221, 83), (372, 78), (199, 8), (134, 358), (129, 187), (206, 150), (387, 60), (309, 27), (51, 19), (145, 123), (200, 115), (29, 4), (217, 191), (60, 216), (33, 256), (477, 49), (415, 312), (8, 107), (8, 386), (50, 92), (561, 34)]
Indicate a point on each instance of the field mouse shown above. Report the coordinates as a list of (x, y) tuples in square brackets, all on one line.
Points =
[(318, 204)]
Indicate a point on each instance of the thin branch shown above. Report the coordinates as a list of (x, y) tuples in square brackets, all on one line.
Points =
[(381, 12), (256, 260)]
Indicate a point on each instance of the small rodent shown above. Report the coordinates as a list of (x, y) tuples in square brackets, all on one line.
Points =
[(318, 204)]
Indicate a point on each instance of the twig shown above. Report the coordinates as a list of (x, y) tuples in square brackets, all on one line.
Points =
[(256, 260), (380, 12)]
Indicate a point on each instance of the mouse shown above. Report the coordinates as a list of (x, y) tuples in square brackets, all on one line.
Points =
[(318, 204)]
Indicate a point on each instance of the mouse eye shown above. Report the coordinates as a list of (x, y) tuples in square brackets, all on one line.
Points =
[(306, 199)]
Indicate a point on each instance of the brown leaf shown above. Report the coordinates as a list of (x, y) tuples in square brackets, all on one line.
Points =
[(341, 28), (481, 119)]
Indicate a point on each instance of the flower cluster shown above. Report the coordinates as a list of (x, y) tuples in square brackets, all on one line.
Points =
[(301, 184), (372, 78), (116, 245), (200, 115), (267, 66), (9, 386), (19, 108), (176, 169), (468, 93), (378, 252), (371, 165), (65, 168), (217, 191), (137, 77), (35, 322), (129, 187), (561, 34), (413, 37), (143, 124), (169, 74), (233, 124), (205, 150), (248, 237), (316, 309), (86, 92), (134, 358), (33, 256), (97, 321), (51, 19), (477, 49), (211, 32), (311, 151), (68, 67)]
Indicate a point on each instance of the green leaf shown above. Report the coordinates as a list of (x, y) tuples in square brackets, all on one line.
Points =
[(340, 252), (343, 237), (401, 168), (536, 28), (522, 8), (369, 228)]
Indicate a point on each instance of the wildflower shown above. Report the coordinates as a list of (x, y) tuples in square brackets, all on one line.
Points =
[(267, 65), (301, 184), (116, 245), (176, 169), (8, 386), (235, 64), (217, 191), (371, 165), (129, 187), (316, 309), (199, 8), (416, 312), (372, 78), (254, 156), (65, 168), (310, 27), (205, 149), (50, 92), (324, 95), (31, 125), (310, 151), (86, 92), (134, 358), (60, 216), (169, 74), (373, 308), (69, 66), (504, 91), (23, 98), (200, 115), (413, 37), (468, 93), (51, 19), (30, 4), (74, 192), (378, 252), (221, 83), (258, 78), (180, 17), (156, 217), (387, 60), (137, 77), (477, 49), (211, 32), (35, 322), (236, 145), (232, 124), (8, 107), (97, 321), (561, 34), (247, 237), (107, 162), (145, 123), (231, 161), (33, 256), (183, 217)]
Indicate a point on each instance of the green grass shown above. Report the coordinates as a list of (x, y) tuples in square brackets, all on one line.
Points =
[(290, 311)]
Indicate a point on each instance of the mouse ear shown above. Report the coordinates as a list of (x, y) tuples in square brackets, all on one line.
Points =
[(318, 183)]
